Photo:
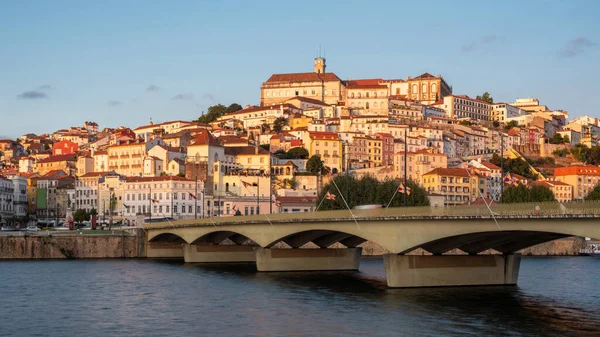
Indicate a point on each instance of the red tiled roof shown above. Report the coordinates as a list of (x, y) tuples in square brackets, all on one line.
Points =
[(63, 157), (93, 174), (245, 150), (303, 77), (424, 76), (489, 165), (456, 172), (588, 170), (307, 100), (323, 135), (162, 178), (373, 86), (205, 138)]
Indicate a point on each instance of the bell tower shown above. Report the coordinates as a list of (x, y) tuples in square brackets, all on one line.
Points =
[(320, 65)]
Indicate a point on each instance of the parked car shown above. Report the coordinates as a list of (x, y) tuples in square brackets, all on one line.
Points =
[(32, 229)]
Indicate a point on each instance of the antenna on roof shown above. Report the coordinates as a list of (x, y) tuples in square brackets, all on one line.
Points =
[(319, 50)]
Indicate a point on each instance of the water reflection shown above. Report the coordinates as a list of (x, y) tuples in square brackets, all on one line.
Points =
[(158, 298)]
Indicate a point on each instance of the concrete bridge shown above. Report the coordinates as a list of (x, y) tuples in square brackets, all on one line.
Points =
[(506, 229)]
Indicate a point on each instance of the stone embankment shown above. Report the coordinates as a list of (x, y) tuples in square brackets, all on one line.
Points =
[(71, 247)]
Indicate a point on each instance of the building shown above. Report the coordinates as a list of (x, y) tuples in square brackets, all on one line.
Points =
[(328, 146), (86, 191), (563, 192), (19, 199), (457, 185), (175, 197), (583, 178), (501, 112), (493, 177), (368, 96), (111, 189), (296, 204), (462, 106), (128, 159), (7, 192), (65, 162), (47, 206), (64, 147), (426, 88), (387, 148), (319, 85), (418, 163)]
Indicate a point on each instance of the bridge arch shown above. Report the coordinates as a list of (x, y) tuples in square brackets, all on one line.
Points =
[(320, 237), (505, 242), (219, 236), (167, 238)]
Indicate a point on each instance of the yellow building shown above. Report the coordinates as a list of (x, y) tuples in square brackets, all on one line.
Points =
[(128, 159), (458, 186), (328, 146), (583, 178), (299, 120), (419, 162), (563, 192), (427, 88), (368, 96), (320, 85), (374, 151), (65, 162)]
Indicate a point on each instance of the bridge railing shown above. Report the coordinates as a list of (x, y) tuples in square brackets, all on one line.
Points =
[(542, 209)]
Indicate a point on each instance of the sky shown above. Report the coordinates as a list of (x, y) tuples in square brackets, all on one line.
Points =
[(126, 62)]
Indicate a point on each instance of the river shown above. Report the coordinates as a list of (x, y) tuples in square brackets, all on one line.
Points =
[(555, 296)]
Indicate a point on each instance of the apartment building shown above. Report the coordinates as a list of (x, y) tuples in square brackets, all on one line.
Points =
[(457, 185)]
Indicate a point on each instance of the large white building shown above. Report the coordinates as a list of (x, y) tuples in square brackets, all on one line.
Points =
[(462, 106), (501, 112), (20, 195), (6, 199)]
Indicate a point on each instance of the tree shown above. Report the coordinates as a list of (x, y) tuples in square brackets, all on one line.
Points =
[(214, 112), (581, 152), (465, 123), (279, 123), (540, 193), (314, 164), (486, 97), (496, 124), (297, 153), (517, 166), (368, 191), (80, 216), (556, 139), (522, 193), (281, 154), (514, 194), (594, 194), (566, 139), (233, 107), (112, 205), (510, 125), (266, 146)]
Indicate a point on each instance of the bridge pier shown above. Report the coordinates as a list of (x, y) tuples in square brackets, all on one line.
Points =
[(218, 253), (164, 250), (407, 271), (270, 259)]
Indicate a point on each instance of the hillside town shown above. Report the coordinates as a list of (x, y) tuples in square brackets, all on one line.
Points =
[(268, 158)]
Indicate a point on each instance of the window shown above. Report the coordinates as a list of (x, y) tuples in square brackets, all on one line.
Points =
[(190, 209), (333, 92)]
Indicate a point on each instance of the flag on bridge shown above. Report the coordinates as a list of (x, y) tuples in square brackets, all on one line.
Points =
[(327, 169), (127, 207), (234, 208), (277, 203), (246, 184), (193, 196), (404, 189), (154, 201), (330, 196)]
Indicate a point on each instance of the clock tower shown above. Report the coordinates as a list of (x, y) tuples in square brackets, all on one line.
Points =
[(320, 65)]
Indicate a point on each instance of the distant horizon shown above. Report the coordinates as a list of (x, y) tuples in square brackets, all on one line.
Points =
[(120, 64)]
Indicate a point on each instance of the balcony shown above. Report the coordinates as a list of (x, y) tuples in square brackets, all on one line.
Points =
[(113, 157)]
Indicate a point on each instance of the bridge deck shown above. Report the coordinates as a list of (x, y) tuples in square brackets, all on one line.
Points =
[(551, 210)]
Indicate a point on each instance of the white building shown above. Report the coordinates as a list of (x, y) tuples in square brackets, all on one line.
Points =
[(86, 191), (6, 199), (162, 197), (462, 106), (501, 112), (20, 195)]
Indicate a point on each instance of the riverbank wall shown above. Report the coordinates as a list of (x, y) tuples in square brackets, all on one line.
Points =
[(71, 247), (133, 246)]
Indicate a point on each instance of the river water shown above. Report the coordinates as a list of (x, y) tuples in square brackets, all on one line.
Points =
[(555, 296)]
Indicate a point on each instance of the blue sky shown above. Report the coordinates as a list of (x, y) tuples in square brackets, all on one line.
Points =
[(65, 62)]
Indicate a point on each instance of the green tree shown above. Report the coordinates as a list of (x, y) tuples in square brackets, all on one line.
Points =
[(539, 193), (80, 216), (581, 152), (566, 139), (486, 97), (594, 194), (233, 107), (281, 154), (465, 123), (314, 164), (510, 125), (517, 166), (112, 206), (368, 191), (496, 124), (266, 146), (556, 139), (515, 194), (213, 112), (297, 153), (279, 123)]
